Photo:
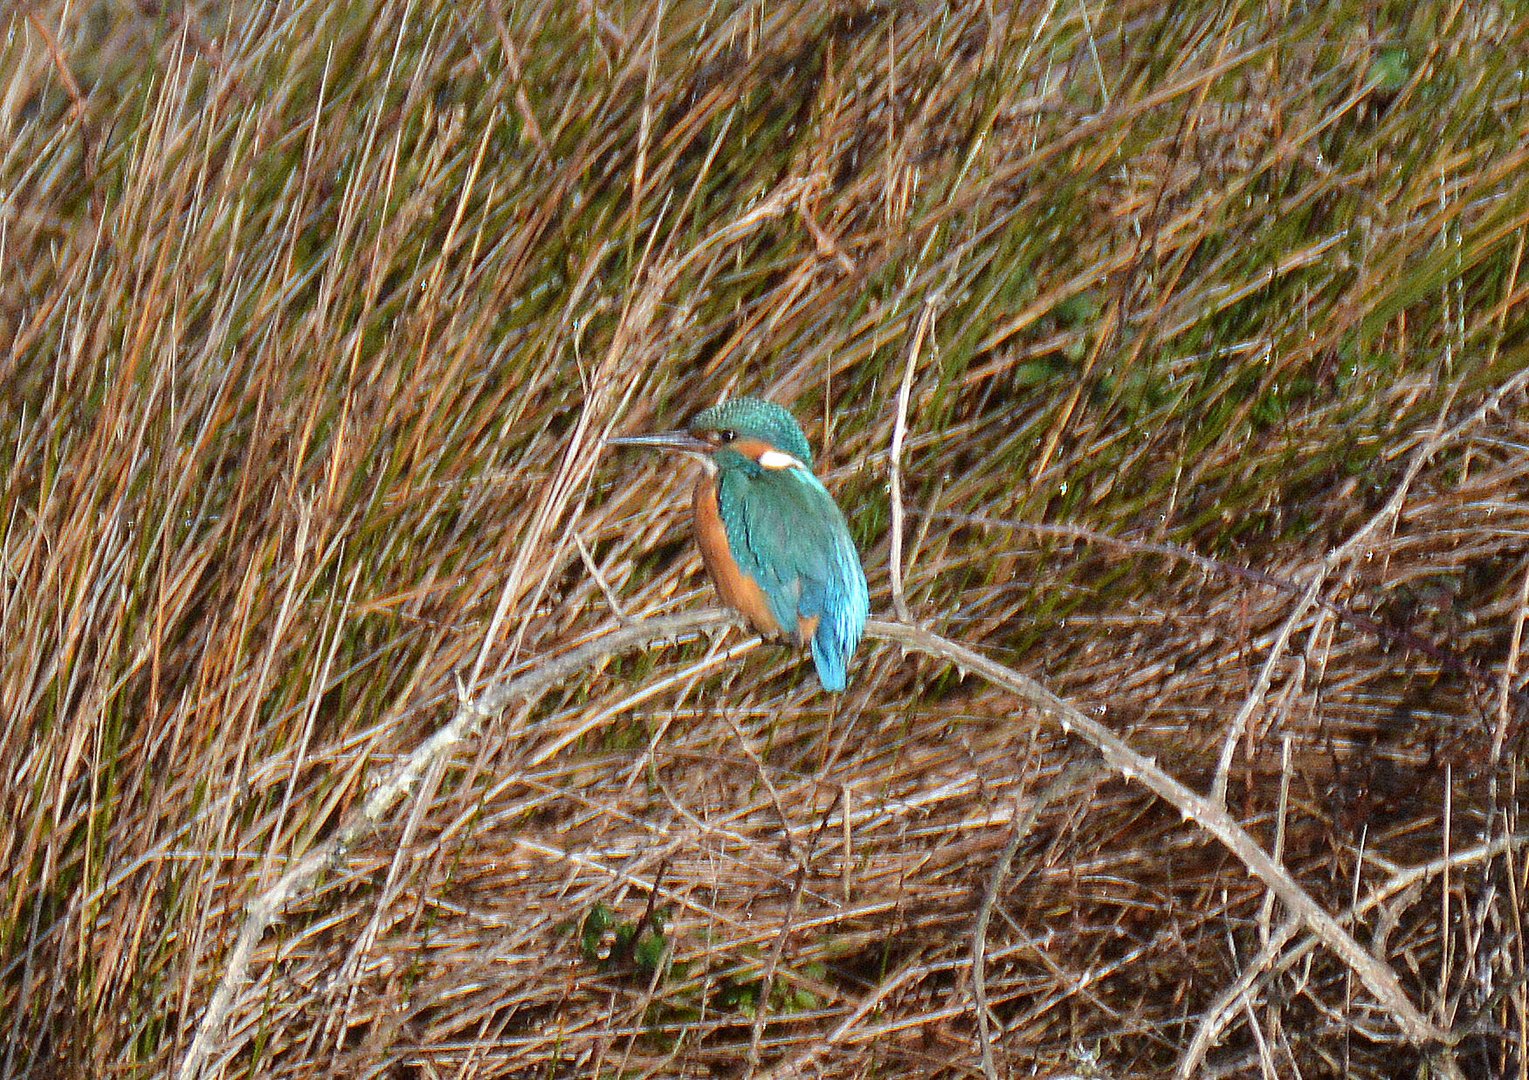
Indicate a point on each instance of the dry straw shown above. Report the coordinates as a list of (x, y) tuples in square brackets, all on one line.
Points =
[(359, 715)]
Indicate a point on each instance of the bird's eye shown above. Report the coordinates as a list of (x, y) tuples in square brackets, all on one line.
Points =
[(726, 435)]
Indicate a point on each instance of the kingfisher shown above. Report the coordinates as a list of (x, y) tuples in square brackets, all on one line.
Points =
[(774, 542)]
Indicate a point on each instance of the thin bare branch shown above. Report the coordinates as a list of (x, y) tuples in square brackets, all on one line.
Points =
[(400, 782), (1274, 958), (1063, 784), (1208, 815), (922, 328)]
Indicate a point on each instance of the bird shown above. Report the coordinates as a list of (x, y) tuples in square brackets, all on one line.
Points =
[(774, 542)]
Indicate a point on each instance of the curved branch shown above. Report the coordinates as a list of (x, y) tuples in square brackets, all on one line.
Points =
[(398, 782), (1273, 958), (1204, 812), (538, 678)]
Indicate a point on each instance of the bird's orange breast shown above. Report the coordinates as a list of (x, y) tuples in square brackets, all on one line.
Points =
[(738, 589)]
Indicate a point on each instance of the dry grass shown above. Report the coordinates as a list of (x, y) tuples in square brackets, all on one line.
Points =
[(312, 317)]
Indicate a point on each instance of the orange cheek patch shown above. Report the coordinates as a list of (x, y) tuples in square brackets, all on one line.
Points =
[(752, 449)]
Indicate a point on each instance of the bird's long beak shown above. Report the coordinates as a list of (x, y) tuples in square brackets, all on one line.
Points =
[(682, 441)]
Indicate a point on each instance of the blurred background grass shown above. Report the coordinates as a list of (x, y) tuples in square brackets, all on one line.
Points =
[(313, 314)]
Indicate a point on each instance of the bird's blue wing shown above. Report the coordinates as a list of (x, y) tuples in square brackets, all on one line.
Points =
[(788, 535)]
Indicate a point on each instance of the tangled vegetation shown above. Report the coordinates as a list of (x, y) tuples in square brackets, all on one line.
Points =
[(1172, 355)]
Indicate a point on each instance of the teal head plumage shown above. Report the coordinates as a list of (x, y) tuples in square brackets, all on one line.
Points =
[(773, 540)]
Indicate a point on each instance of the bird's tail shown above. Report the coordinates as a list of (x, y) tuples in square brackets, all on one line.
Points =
[(839, 628), (832, 660)]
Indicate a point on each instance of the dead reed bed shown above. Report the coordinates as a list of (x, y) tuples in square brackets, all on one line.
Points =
[(1209, 326)]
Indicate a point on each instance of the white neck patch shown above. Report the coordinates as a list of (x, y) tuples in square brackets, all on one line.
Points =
[(777, 459)]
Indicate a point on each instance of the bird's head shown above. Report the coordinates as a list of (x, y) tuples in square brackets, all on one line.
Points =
[(736, 432)]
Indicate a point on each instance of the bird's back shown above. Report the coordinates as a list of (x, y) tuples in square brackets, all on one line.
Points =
[(788, 535)]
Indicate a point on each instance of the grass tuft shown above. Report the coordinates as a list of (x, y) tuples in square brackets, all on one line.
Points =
[(313, 316)]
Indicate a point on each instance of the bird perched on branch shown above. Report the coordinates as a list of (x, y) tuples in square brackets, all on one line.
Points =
[(772, 538)]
